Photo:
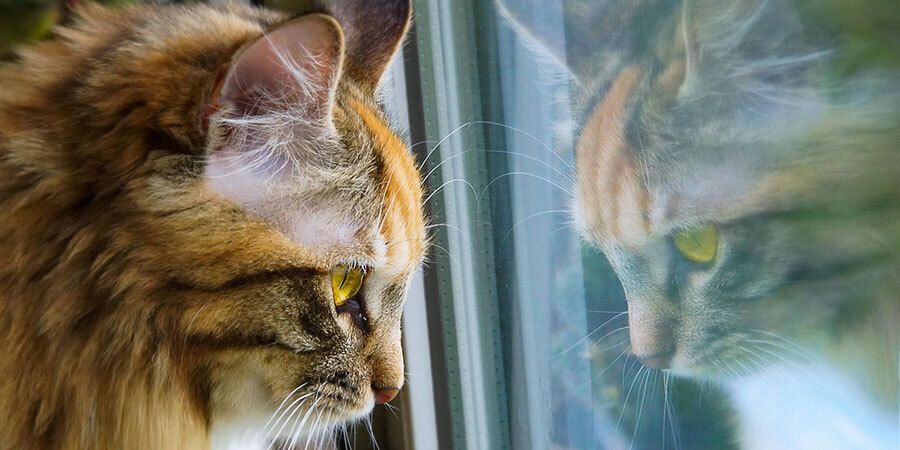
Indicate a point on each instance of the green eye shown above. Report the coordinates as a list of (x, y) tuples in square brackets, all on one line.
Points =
[(345, 283), (698, 244)]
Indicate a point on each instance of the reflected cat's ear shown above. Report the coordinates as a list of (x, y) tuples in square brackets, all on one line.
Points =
[(374, 30), (587, 37), (297, 63)]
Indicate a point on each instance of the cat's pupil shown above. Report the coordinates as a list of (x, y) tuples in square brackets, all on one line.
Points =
[(355, 308)]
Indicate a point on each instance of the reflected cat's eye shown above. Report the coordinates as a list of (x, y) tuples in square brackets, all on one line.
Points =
[(698, 244), (345, 283)]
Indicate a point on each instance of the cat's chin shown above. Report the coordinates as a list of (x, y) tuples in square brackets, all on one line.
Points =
[(258, 428), (715, 368)]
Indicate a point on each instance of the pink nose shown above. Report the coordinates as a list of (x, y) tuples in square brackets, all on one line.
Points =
[(384, 395), (652, 337)]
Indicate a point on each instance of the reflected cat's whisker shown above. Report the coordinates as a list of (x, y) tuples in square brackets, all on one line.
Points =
[(669, 410), (790, 343), (592, 351), (628, 396), (809, 374), (590, 334), (601, 372), (641, 404)]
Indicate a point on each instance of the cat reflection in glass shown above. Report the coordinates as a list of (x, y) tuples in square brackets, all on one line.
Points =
[(738, 163)]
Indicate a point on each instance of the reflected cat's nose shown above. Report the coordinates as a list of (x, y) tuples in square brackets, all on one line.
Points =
[(657, 361), (652, 336), (384, 395)]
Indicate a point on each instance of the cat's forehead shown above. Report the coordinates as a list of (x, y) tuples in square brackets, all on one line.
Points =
[(613, 205), (401, 222)]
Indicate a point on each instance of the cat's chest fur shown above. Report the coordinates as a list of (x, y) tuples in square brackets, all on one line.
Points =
[(809, 406)]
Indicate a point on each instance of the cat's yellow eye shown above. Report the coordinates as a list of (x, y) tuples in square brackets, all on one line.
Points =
[(345, 283), (698, 244)]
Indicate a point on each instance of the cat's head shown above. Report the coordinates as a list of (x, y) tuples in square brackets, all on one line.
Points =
[(260, 219), (742, 208)]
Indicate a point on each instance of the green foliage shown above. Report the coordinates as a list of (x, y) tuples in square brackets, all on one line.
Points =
[(25, 21)]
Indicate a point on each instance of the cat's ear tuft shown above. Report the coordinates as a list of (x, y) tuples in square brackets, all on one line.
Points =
[(296, 64), (374, 31)]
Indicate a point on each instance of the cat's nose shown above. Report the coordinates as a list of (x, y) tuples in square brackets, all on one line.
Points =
[(657, 361), (652, 335), (384, 394)]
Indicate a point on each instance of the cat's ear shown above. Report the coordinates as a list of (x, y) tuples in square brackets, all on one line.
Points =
[(374, 31), (297, 63)]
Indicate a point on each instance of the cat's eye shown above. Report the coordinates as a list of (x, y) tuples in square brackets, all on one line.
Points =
[(698, 244), (345, 283)]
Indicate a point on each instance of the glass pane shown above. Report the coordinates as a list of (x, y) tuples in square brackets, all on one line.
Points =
[(693, 211)]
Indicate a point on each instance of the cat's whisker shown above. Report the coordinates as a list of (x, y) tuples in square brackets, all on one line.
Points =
[(548, 236), (344, 434), (537, 160), (452, 258), (628, 396), (637, 424), (669, 411), (278, 409), (297, 421), (393, 409), (449, 182), (281, 418), (586, 337), (525, 174), (807, 372), (371, 432), (437, 166), (525, 219), (314, 430), (301, 425), (592, 349), (528, 135), (441, 142), (462, 233), (800, 350)]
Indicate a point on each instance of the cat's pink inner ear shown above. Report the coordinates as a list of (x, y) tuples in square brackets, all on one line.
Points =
[(295, 65)]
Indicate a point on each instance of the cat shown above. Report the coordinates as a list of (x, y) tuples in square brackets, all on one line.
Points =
[(738, 163), (208, 227)]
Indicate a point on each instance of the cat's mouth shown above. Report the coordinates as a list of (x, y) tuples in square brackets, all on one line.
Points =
[(719, 361)]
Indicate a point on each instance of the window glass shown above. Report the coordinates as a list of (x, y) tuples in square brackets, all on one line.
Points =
[(662, 223)]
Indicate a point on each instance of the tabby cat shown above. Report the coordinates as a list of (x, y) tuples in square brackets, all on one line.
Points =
[(207, 224), (738, 163)]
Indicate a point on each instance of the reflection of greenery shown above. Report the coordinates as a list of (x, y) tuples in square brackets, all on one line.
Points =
[(25, 21)]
